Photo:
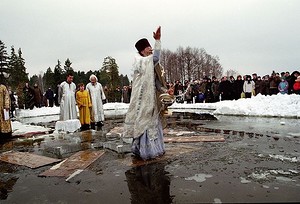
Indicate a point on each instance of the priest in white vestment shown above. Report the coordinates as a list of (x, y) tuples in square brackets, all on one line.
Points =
[(144, 121), (98, 97), (67, 90)]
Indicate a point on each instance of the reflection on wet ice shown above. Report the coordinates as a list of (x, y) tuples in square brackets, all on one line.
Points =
[(6, 186), (149, 184)]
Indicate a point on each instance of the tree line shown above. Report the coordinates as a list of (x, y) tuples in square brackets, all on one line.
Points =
[(13, 72), (183, 64)]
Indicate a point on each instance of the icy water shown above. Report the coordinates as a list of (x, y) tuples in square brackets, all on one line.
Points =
[(258, 162)]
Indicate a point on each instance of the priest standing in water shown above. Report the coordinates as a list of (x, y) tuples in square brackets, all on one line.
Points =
[(144, 121)]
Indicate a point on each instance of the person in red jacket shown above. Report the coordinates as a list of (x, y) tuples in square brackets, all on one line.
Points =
[(296, 86)]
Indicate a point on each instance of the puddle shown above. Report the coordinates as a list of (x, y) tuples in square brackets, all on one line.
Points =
[(149, 183), (6, 186)]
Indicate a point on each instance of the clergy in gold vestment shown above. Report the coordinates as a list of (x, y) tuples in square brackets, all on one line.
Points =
[(5, 123)]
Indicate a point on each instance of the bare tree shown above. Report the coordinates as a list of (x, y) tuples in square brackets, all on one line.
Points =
[(231, 72), (190, 63)]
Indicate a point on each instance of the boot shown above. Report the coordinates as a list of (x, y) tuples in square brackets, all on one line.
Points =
[(100, 124), (86, 126)]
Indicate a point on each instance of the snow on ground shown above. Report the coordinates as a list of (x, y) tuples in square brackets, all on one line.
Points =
[(272, 106), (275, 106), (280, 105), (20, 129)]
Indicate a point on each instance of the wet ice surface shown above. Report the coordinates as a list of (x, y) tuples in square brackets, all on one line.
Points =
[(258, 162), (199, 177)]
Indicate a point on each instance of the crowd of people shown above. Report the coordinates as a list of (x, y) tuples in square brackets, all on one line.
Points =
[(34, 97), (144, 121), (229, 88)]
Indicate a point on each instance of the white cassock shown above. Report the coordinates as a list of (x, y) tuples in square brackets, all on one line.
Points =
[(67, 102), (97, 95)]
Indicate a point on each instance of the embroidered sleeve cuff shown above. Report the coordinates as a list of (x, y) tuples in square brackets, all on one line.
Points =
[(157, 45)]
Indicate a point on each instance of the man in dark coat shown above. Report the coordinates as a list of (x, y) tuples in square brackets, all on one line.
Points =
[(56, 103), (215, 89), (38, 96), (28, 96), (224, 88), (50, 96), (259, 86), (233, 88), (239, 83)]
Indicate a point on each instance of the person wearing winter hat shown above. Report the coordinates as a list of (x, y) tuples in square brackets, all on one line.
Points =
[(283, 86), (144, 118), (296, 86), (141, 46)]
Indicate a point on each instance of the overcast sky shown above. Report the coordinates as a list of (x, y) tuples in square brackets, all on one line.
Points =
[(247, 35)]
